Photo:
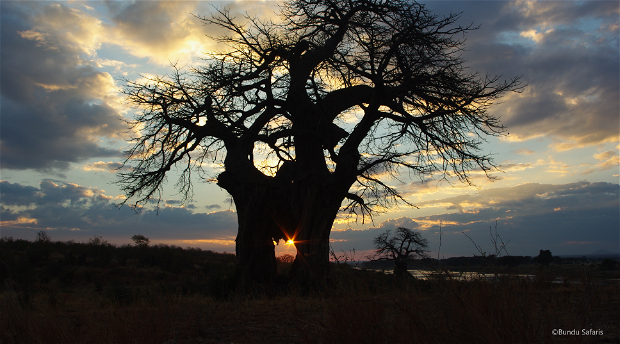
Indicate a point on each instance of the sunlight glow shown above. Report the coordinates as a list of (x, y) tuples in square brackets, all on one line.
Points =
[(290, 242)]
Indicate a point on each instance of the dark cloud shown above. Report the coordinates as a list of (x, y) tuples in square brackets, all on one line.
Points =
[(393, 224), (17, 194), (567, 53), (7, 214), (213, 206), (533, 217), (56, 193), (575, 218), (362, 240), (53, 113), (70, 211)]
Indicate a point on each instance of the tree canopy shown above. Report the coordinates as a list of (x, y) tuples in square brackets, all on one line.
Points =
[(403, 246), (310, 115)]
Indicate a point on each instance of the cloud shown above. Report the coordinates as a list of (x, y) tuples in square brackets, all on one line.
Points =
[(514, 167), (58, 107), (168, 31), (572, 75), (393, 224), (162, 31), (568, 55), (608, 160), (524, 151), (529, 217), (55, 108), (361, 240), (533, 216), (100, 166), (69, 209), (528, 195), (17, 194), (57, 24)]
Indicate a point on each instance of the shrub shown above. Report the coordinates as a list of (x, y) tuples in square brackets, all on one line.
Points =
[(140, 240), (609, 264)]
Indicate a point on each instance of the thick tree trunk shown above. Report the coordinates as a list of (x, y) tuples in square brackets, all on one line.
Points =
[(255, 248), (280, 208), (316, 207), (254, 244), (311, 264), (400, 268)]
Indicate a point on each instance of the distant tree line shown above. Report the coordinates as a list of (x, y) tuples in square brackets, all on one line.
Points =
[(27, 265), (544, 258)]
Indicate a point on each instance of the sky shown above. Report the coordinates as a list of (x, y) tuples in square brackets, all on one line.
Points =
[(63, 129)]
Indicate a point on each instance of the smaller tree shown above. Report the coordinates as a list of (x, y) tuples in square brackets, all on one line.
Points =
[(285, 263), (609, 264), (404, 245), (97, 241), (42, 236), (140, 240), (544, 257)]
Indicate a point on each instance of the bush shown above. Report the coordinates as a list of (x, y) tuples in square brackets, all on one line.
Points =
[(140, 240), (609, 264)]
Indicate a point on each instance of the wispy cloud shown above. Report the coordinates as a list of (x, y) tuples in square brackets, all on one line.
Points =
[(100, 166), (607, 161)]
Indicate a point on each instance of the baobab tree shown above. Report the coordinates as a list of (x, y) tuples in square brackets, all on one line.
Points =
[(309, 116), (403, 246)]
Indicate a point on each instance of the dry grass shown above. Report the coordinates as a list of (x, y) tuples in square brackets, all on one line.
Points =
[(47, 300), (359, 307), (510, 310)]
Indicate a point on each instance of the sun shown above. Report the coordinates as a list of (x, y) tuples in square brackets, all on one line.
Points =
[(290, 242)]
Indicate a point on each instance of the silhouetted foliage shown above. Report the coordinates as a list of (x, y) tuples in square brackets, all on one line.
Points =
[(25, 265), (285, 262), (55, 302), (609, 264), (511, 261), (544, 257), (140, 240), (273, 112), (42, 236), (403, 246)]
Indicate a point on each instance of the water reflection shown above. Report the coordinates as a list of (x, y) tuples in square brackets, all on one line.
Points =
[(472, 275)]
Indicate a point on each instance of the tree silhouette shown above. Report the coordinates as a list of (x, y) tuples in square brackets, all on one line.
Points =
[(309, 116), (42, 236), (404, 245), (140, 240), (544, 257)]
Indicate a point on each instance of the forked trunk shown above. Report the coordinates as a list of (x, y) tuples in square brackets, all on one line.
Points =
[(316, 207), (311, 264), (272, 209)]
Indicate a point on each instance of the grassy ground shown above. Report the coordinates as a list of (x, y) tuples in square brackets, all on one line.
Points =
[(45, 299)]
